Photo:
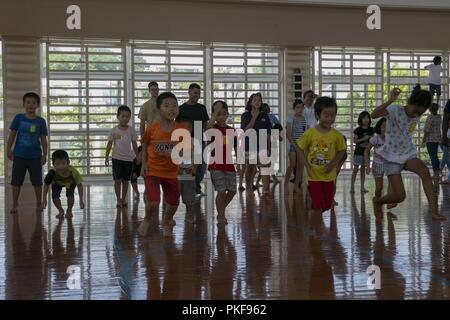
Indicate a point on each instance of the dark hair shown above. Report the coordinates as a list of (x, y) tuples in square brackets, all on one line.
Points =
[(32, 95), (434, 108), (307, 92), (265, 105), (152, 83), (297, 102), (378, 125), (361, 116), (224, 105), (123, 108), (248, 107), (437, 59), (323, 103), (163, 96), (420, 97), (60, 155), (194, 86)]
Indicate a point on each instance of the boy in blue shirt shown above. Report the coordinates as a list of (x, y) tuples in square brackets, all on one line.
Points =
[(28, 133)]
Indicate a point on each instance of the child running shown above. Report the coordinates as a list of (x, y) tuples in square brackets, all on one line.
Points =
[(295, 127), (361, 137), (223, 173), (124, 137), (321, 149), (399, 150), (158, 169), (63, 175)]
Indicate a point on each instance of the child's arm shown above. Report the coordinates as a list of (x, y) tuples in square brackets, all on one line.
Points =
[(212, 121), (108, 150), (135, 148), (289, 133), (80, 194), (44, 196), (381, 110), (144, 160), (334, 162), (11, 139), (301, 154), (44, 149), (367, 157)]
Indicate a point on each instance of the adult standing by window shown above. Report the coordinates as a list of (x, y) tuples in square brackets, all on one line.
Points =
[(308, 111), (148, 110), (195, 111)]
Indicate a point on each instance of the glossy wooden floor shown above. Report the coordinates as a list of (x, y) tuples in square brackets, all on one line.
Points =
[(269, 250)]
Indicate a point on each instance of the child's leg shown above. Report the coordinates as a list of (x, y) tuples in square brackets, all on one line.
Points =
[(242, 171), (171, 191), (117, 186), (124, 192), (150, 209), (396, 194), (70, 202), (38, 195), (265, 179), (363, 180), (378, 186), (16, 194), (417, 166), (354, 173), (134, 185), (299, 175), (290, 167), (187, 190), (249, 176), (56, 194), (221, 205)]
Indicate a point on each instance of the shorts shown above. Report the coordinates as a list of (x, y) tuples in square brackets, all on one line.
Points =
[(20, 167), (435, 88), (224, 180), (358, 160), (56, 191), (393, 168), (378, 169), (170, 187), (122, 170), (322, 194), (187, 190), (135, 172)]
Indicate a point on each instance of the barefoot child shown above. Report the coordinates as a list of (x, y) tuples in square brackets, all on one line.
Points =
[(29, 136), (186, 175), (377, 168), (223, 175), (361, 137), (63, 175), (158, 169), (124, 137), (321, 149), (399, 150)]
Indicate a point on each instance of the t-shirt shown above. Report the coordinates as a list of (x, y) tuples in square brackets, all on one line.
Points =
[(361, 133), (433, 128), (225, 166), (262, 122), (298, 126), (434, 76), (159, 150), (28, 135), (321, 149), (194, 112), (377, 142), (310, 115), (399, 146), (122, 149), (148, 111), (54, 177)]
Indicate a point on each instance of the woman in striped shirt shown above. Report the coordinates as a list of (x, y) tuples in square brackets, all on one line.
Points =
[(295, 127)]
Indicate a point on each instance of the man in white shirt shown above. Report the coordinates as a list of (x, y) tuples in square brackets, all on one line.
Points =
[(308, 111), (434, 77)]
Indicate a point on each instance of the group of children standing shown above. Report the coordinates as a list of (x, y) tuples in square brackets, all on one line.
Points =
[(319, 148)]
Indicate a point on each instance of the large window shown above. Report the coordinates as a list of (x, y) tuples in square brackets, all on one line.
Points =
[(87, 81), (361, 78), (85, 85)]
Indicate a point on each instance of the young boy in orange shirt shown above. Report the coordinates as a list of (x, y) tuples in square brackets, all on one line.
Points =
[(158, 169)]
